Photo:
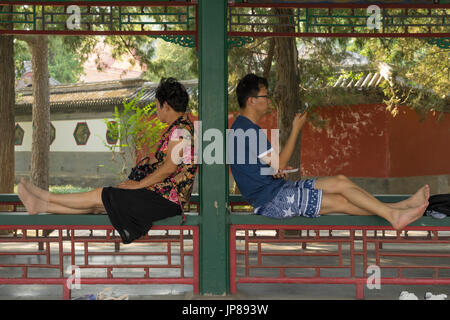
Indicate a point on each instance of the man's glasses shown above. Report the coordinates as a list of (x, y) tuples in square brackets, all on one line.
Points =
[(268, 96)]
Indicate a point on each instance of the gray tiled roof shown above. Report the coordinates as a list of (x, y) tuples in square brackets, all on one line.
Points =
[(94, 97)]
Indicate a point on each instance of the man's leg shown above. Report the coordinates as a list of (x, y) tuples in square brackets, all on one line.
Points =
[(335, 203), (399, 218), (420, 197)]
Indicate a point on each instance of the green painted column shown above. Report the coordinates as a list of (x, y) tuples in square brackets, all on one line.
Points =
[(213, 101)]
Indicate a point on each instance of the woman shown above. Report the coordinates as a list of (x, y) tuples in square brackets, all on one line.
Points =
[(132, 206)]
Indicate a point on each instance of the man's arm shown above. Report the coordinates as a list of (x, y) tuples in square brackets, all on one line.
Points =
[(285, 154)]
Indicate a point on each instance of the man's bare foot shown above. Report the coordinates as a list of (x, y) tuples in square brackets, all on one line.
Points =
[(422, 195), (417, 199), (36, 191), (33, 204), (404, 217)]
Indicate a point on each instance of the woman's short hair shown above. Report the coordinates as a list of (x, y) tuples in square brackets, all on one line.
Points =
[(249, 86), (174, 93)]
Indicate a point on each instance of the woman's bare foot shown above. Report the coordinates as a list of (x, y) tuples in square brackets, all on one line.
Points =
[(33, 204), (36, 191), (404, 217)]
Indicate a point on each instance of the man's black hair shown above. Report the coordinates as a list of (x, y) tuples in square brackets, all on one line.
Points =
[(174, 93), (249, 86)]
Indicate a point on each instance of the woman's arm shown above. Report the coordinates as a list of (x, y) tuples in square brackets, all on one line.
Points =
[(165, 170)]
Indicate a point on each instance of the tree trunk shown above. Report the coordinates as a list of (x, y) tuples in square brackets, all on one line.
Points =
[(269, 59), (40, 148), (286, 91), (7, 114), (7, 101)]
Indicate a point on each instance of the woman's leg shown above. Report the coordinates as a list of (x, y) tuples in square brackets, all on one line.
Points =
[(81, 203), (83, 200), (399, 218)]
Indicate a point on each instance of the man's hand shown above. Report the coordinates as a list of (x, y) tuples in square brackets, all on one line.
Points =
[(280, 175), (130, 184), (299, 121)]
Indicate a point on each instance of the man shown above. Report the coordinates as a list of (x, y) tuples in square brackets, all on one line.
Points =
[(272, 196)]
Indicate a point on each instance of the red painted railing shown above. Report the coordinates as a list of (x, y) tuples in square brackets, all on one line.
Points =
[(253, 256), (80, 246)]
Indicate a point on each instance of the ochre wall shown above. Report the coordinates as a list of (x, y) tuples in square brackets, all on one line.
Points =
[(419, 148), (367, 141), (353, 143)]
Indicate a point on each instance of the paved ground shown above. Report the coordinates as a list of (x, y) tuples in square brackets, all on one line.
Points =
[(245, 291)]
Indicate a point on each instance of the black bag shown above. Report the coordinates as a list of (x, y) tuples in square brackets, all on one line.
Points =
[(140, 171), (440, 203)]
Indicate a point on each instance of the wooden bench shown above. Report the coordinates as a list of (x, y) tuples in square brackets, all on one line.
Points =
[(259, 254), (343, 240)]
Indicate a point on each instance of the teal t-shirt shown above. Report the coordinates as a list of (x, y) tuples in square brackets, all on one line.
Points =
[(246, 144)]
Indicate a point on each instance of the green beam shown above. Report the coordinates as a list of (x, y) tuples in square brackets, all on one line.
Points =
[(213, 71), (24, 219), (331, 221)]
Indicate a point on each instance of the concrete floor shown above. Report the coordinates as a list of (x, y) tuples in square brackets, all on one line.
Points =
[(245, 291)]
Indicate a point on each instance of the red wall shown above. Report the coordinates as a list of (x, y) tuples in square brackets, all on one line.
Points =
[(419, 148), (353, 143), (367, 141)]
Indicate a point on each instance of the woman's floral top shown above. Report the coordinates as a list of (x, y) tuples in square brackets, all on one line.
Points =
[(178, 186)]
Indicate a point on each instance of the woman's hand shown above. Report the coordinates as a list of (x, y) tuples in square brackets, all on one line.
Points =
[(130, 184)]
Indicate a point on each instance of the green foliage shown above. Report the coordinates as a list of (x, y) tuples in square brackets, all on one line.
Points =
[(21, 54), (345, 75), (172, 60), (136, 128), (140, 48), (250, 58), (421, 77), (63, 64), (320, 60), (66, 56)]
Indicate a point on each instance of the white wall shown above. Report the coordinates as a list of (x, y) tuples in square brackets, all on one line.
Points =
[(65, 141)]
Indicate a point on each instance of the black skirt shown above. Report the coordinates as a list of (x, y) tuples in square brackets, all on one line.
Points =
[(132, 212)]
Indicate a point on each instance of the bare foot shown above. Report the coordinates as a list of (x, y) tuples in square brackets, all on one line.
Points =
[(422, 195), (36, 191), (406, 216), (416, 200), (33, 204)]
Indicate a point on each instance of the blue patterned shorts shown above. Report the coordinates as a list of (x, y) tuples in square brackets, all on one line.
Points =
[(295, 198)]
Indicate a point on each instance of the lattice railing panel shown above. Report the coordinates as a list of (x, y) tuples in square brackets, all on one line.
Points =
[(244, 20), (149, 18), (338, 255), (166, 255)]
